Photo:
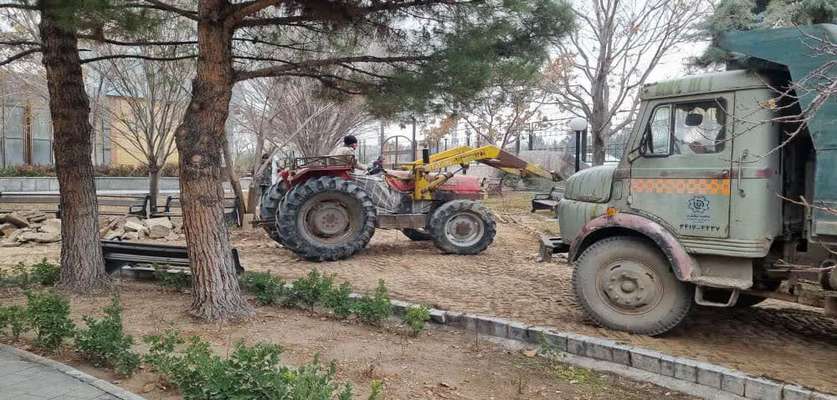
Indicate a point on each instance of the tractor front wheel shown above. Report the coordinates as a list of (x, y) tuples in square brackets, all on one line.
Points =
[(625, 283), (326, 219), (462, 227)]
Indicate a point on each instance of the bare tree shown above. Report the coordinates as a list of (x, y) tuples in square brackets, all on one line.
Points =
[(151, 98), (291, 114), (502, 113), (617, 45)]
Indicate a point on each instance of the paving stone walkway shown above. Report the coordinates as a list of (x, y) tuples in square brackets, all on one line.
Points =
[(21, 379)]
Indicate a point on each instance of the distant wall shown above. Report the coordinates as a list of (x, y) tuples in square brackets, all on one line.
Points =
[(103, 183)]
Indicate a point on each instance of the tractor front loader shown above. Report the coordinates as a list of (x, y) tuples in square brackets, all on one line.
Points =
[(323, 211)]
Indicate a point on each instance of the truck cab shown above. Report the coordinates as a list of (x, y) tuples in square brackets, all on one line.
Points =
[(704, 207)]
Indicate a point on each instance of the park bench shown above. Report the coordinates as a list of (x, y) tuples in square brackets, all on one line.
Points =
[(143, 260), (137, 205), (547, 201), (232, 211)]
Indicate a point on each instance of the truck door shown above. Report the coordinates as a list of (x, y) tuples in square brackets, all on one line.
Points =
[(682, 173)]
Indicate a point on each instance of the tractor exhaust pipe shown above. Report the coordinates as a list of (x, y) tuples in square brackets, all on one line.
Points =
[(425, 156)]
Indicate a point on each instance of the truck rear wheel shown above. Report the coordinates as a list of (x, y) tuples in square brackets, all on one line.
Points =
[(326, 219), (418, 235), (462, 227), (625, 283)]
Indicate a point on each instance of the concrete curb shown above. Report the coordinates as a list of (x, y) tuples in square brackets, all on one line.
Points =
[(701, 379), (100, 384)]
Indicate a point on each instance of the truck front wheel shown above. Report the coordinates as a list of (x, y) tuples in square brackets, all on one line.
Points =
[(625, 283)]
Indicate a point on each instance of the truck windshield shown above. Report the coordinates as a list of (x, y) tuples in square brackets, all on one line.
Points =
[(705, 138)]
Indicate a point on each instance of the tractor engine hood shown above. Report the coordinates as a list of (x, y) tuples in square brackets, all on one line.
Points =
[(591, 185)]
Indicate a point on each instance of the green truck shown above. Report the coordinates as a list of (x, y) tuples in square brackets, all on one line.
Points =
[(716, 202)]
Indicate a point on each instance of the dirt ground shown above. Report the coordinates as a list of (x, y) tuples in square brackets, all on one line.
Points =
[(438, 364), (781, 341)]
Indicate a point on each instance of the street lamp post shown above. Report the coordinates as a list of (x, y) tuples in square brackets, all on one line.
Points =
[(578, 124)]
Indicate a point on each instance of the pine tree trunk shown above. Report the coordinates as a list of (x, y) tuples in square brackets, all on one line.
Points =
[(200, 138), (82, 264)]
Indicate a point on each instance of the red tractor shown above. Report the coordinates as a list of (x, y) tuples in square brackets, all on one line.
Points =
[(322, 211)]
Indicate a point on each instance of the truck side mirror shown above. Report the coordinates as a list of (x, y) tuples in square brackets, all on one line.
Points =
[(694, 119)]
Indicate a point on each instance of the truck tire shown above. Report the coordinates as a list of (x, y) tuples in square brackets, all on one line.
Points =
[(268, 208), (625, 283), (462, 227), (417, 235), (326, 219)]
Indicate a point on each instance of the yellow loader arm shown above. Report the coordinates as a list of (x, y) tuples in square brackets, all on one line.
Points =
[(489, 155), (464, 155)]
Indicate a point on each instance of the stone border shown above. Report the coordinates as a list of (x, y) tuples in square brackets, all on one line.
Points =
[(704, 378), (100, 384)]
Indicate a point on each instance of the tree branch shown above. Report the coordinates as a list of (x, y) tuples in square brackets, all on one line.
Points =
[(18, 6), (137, 56), (159, 5), (20, 55), (279, 70)]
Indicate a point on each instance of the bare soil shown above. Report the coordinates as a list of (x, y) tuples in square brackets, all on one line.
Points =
[(438, 364), (777, 340)]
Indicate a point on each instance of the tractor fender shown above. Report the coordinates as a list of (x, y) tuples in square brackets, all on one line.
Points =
[(635, 225)]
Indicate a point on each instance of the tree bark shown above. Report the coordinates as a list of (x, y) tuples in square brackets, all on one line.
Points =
[(254, 192), (232, 177), (154, 184), (82, 264), (200, 138)]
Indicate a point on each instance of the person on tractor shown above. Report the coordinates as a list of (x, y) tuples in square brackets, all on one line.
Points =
[(348, 148)]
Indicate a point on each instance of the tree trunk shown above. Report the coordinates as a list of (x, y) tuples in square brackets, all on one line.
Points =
[(82, 264), (254, 192), (232, 177), (200, 138), (154, 172)]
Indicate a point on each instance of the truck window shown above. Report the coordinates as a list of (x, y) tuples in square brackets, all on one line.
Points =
[(658, 141), (699, 127)]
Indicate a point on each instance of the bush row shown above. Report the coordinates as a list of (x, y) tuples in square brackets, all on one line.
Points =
[(248, 372), (316, 289), (169, 170)]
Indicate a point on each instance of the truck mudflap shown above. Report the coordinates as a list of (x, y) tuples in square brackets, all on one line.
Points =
[(598, 228)]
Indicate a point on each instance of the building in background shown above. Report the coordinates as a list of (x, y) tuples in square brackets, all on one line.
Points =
[(26, 127)]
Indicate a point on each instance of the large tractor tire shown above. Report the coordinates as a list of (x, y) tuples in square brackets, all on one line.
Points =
[(417, 235), (269, 206), (326, 219), (462, 227), (625, 283)]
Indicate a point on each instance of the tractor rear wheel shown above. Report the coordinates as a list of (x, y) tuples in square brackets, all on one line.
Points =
[(326, 219), (462, 227), (269, 206), (418, 235), (625, 283)]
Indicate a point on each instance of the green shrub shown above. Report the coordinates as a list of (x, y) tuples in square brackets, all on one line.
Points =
[(45, 273), (104, 342), (249, 372), (172, 280), (309, 290), (415, 317), (49, 316), (267, 288), (19, 277), (374, 309), (337, 299), (13, 317)]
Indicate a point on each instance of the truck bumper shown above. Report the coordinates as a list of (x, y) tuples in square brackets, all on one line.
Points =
[(550, 245)]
